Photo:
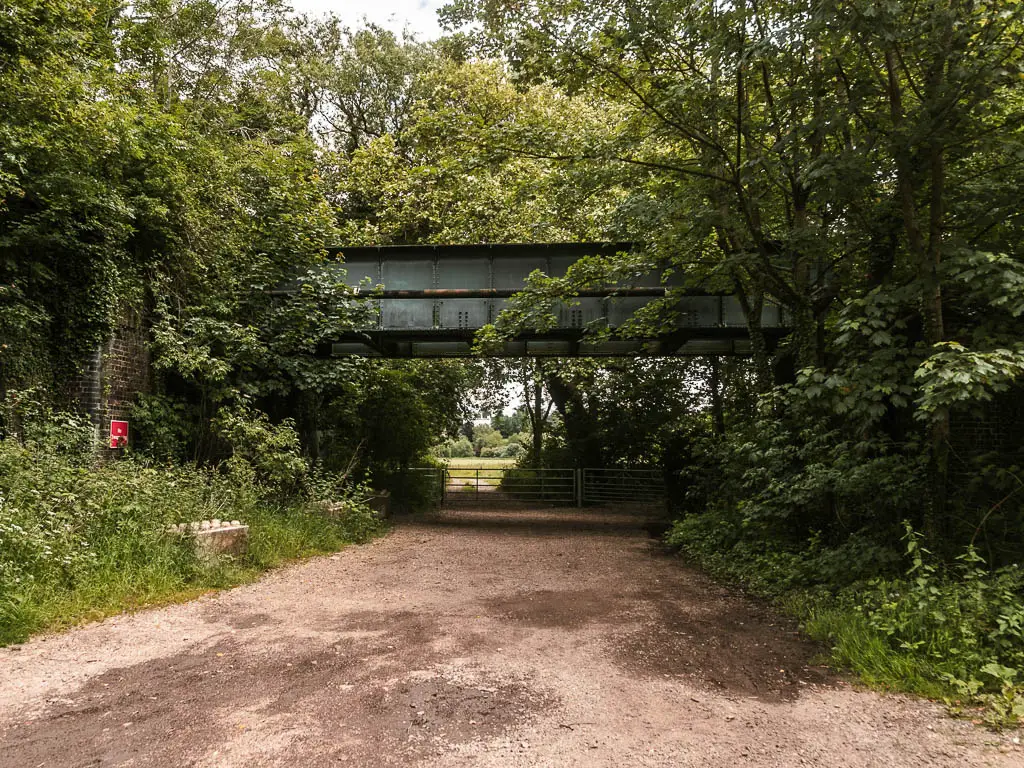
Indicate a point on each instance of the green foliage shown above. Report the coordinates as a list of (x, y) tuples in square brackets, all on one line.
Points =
[(79, 541), (792, 481), (443, 178), (399, 411), (29, 418), (163, 427), (509, 426), (965, 624), (459, 448), (868, 189), (269, 452), (953, 375), (512, 450), (487, 441), (413, 489), (953, 633), (24, 355), (147, 161), (718, 541)]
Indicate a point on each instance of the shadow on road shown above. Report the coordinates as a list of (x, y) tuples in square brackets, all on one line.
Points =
[(546, 521)]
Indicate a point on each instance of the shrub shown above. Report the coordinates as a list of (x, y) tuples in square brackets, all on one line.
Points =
[(162, 427), (271, 450), (412, 489), (954, 633), (512, 451), (966, 623), (29, 419), (454, 449), (80, 541)]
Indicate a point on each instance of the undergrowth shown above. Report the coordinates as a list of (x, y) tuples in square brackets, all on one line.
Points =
[(953, 633), (80, 541)]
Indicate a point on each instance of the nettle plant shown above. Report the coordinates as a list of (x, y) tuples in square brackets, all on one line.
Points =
[(14, 540), (965, 620)]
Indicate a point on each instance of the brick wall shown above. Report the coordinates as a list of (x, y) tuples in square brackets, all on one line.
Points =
[(110, 380), (87, 389)]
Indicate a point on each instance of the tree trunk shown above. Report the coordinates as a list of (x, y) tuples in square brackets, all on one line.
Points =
[(752, 306), (926, 252), (717, 407), (537, 422), (533, 395)]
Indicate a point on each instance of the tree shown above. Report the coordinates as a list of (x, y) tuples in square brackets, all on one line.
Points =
[(439, 183), (837, 160), (510, 425), (486, 439)]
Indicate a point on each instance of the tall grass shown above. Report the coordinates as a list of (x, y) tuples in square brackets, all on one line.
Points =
[(857, 646), (79, 542)]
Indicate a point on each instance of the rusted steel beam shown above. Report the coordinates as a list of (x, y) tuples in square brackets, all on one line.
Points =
[(498, 293), (505, 293)]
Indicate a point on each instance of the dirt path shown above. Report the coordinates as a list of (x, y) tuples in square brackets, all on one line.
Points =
[(469, 639)]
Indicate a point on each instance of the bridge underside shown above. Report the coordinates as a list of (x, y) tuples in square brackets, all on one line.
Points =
[(429, 301), (561, 343)]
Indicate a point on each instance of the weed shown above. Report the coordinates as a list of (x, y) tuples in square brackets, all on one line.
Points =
[(950, 633), (79, 542)]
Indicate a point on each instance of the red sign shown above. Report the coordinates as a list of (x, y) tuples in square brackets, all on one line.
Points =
[(118, 434)]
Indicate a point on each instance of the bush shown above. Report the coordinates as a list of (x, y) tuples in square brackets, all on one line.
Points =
[(162, 427), (512, 451), (955, 633), (454, 449), (413, 489), (966, 624), (80, 541), (486, 440), (28, 419), (271, 450)]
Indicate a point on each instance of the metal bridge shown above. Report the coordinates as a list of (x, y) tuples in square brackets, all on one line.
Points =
[(430, 300)]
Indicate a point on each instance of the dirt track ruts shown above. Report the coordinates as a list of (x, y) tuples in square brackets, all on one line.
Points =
[(473, 638)]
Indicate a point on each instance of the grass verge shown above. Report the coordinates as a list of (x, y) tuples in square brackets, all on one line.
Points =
[(949, 633), (78, 543)]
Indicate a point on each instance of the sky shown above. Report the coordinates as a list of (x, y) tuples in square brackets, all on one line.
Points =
[(419, 15)]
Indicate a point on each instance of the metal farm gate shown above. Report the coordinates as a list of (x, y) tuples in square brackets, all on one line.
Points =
[(606, 487), (498, 486)]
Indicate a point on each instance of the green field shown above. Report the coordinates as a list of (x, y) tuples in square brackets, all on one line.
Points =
[(489, 463), (478, 473)]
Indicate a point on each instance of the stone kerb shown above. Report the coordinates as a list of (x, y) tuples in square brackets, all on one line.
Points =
[(379, 503), (216, 537)]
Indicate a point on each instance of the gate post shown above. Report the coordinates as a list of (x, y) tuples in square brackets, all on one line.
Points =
[(579, 487)]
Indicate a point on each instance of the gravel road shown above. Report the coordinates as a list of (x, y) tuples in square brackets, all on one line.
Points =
[(470, 638)]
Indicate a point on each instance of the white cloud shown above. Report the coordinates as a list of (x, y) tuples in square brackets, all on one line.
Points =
[(419, 16)]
